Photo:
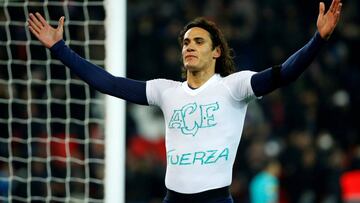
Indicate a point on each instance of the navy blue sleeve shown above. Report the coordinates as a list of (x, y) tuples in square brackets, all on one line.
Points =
[(130, 90), (269, 79)]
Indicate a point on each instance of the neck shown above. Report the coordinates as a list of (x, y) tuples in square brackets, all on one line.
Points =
[(197, 79)]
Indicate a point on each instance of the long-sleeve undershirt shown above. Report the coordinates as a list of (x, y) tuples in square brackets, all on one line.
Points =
[(265, 82), (135, 91), (124, 88)]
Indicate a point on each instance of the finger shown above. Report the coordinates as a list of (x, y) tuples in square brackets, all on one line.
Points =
[(339, 8), (61, 22), (33, 26), (338, 11), (321, 9), (336, 6), (36, 21), (42, 19), (333, 6), (32, 30)]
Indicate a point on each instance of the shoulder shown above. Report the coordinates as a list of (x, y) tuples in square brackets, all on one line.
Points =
[(162, 83), (240, 75), (239, 85), (157, 87)]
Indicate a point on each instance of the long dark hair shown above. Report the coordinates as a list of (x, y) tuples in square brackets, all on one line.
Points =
[(225, 63)]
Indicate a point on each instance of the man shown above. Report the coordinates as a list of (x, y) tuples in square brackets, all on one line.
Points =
[(264, 187), (205, 114)]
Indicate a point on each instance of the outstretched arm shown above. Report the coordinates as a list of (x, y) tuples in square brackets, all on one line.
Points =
[(327, 22), (130, 90), (46, 34), (268, 80)]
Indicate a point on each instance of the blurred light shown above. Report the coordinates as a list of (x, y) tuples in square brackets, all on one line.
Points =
[(325, 141), (272, 148), (341, 98)]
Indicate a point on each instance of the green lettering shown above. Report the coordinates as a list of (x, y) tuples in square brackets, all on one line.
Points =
[(188, 111), (171, 160), (207, 116), (211, 156), (177, 120), (224, 153), (184, 159), (191, 117), (201, 157), (170, 157)]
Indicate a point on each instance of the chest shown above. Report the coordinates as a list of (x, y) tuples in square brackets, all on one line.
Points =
[(189, 114)]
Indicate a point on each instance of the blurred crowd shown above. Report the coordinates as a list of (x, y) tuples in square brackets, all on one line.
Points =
[(51, 123), (310, 127)]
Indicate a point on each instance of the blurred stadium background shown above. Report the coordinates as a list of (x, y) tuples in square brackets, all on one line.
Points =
[(311, 126)]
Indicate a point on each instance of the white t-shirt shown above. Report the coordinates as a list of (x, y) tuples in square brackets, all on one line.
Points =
[(203, 129)]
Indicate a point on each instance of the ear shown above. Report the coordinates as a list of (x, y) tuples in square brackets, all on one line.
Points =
[(217, 52)]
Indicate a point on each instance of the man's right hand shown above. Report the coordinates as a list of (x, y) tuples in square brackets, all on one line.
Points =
[(46, 34)]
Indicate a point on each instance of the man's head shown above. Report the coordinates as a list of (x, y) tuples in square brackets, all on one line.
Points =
[(203, 42), (273, 166)]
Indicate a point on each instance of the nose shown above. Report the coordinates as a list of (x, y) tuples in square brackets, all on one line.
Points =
[(189, 48)]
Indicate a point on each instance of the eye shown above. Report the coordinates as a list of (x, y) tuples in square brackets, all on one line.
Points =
[(199, 41)]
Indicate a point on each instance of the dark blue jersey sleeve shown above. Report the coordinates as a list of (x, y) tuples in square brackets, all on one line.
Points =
[(130, 90), (269, 79)]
